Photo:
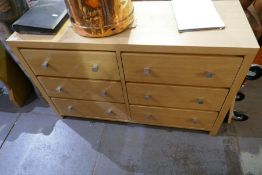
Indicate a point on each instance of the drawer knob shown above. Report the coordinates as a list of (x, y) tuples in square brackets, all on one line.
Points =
[(149, 116), (45, 64), (104, 93), (70, 108), (95, 68), (147, 71), (59, 89), (210, 74), (109, 111), (194, 120), (147, 97), (200, 101)]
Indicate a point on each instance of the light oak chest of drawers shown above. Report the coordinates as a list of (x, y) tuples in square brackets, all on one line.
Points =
[(150, 74)]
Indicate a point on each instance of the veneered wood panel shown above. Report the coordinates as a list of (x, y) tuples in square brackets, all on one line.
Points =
[(77, 64), (202, 120), (176, 96), (83, 89), (91, 109), (199, 70)]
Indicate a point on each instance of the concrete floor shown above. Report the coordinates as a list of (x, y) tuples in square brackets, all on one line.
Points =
[(33, 140)]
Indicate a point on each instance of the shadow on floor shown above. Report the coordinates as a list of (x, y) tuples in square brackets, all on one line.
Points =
[(33, 104), (133, 149)]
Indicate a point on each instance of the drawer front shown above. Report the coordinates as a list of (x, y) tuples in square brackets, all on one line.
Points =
[(79, 64), (83, 89), (91, 109), (176, 96), (211, 71), (202, 120)]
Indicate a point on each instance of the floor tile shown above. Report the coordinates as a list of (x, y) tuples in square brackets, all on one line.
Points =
[(253, 100), (38, 106), (251, 155), (7, 120), (249, 134), (6, 105), (148, 150), (251, 127), (47, 145)]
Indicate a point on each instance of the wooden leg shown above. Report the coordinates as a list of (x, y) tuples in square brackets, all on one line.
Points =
[(18, 85), (258, 59), (231, 113)]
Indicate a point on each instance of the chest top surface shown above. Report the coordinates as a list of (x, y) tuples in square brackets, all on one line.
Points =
[(156, 25)]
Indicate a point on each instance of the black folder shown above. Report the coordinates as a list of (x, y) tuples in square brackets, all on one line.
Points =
[(46, 17)]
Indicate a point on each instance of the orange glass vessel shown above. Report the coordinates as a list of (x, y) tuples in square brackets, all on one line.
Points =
[(99, 18)]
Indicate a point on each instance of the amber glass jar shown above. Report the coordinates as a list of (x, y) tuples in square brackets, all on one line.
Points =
[(99, 18)]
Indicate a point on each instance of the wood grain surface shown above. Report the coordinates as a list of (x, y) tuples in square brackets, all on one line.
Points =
[(83, 89), (202, 120), (176, 96), (77, 64), (199, 70), (91, 109)]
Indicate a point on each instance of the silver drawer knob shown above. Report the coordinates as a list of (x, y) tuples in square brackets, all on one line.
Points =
[(147, 71), (200, 101), (104, 93), (194, 120), (109, 111), (45, 64), (210, 74), (70, 108), (147, 97), (59, 89), (95, 68)]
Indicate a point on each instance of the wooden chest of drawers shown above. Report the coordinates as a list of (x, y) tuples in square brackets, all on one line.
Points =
[(150, 74)]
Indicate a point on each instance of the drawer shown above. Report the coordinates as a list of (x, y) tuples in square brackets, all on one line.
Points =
[(83, 89), (202, 120), (91, 109), (79, 64), (211, 71), (176, 96)]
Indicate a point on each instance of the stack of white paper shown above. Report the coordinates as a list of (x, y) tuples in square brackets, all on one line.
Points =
[(196, 15)]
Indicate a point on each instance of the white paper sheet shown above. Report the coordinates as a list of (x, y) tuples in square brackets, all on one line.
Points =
[(196, 15)]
